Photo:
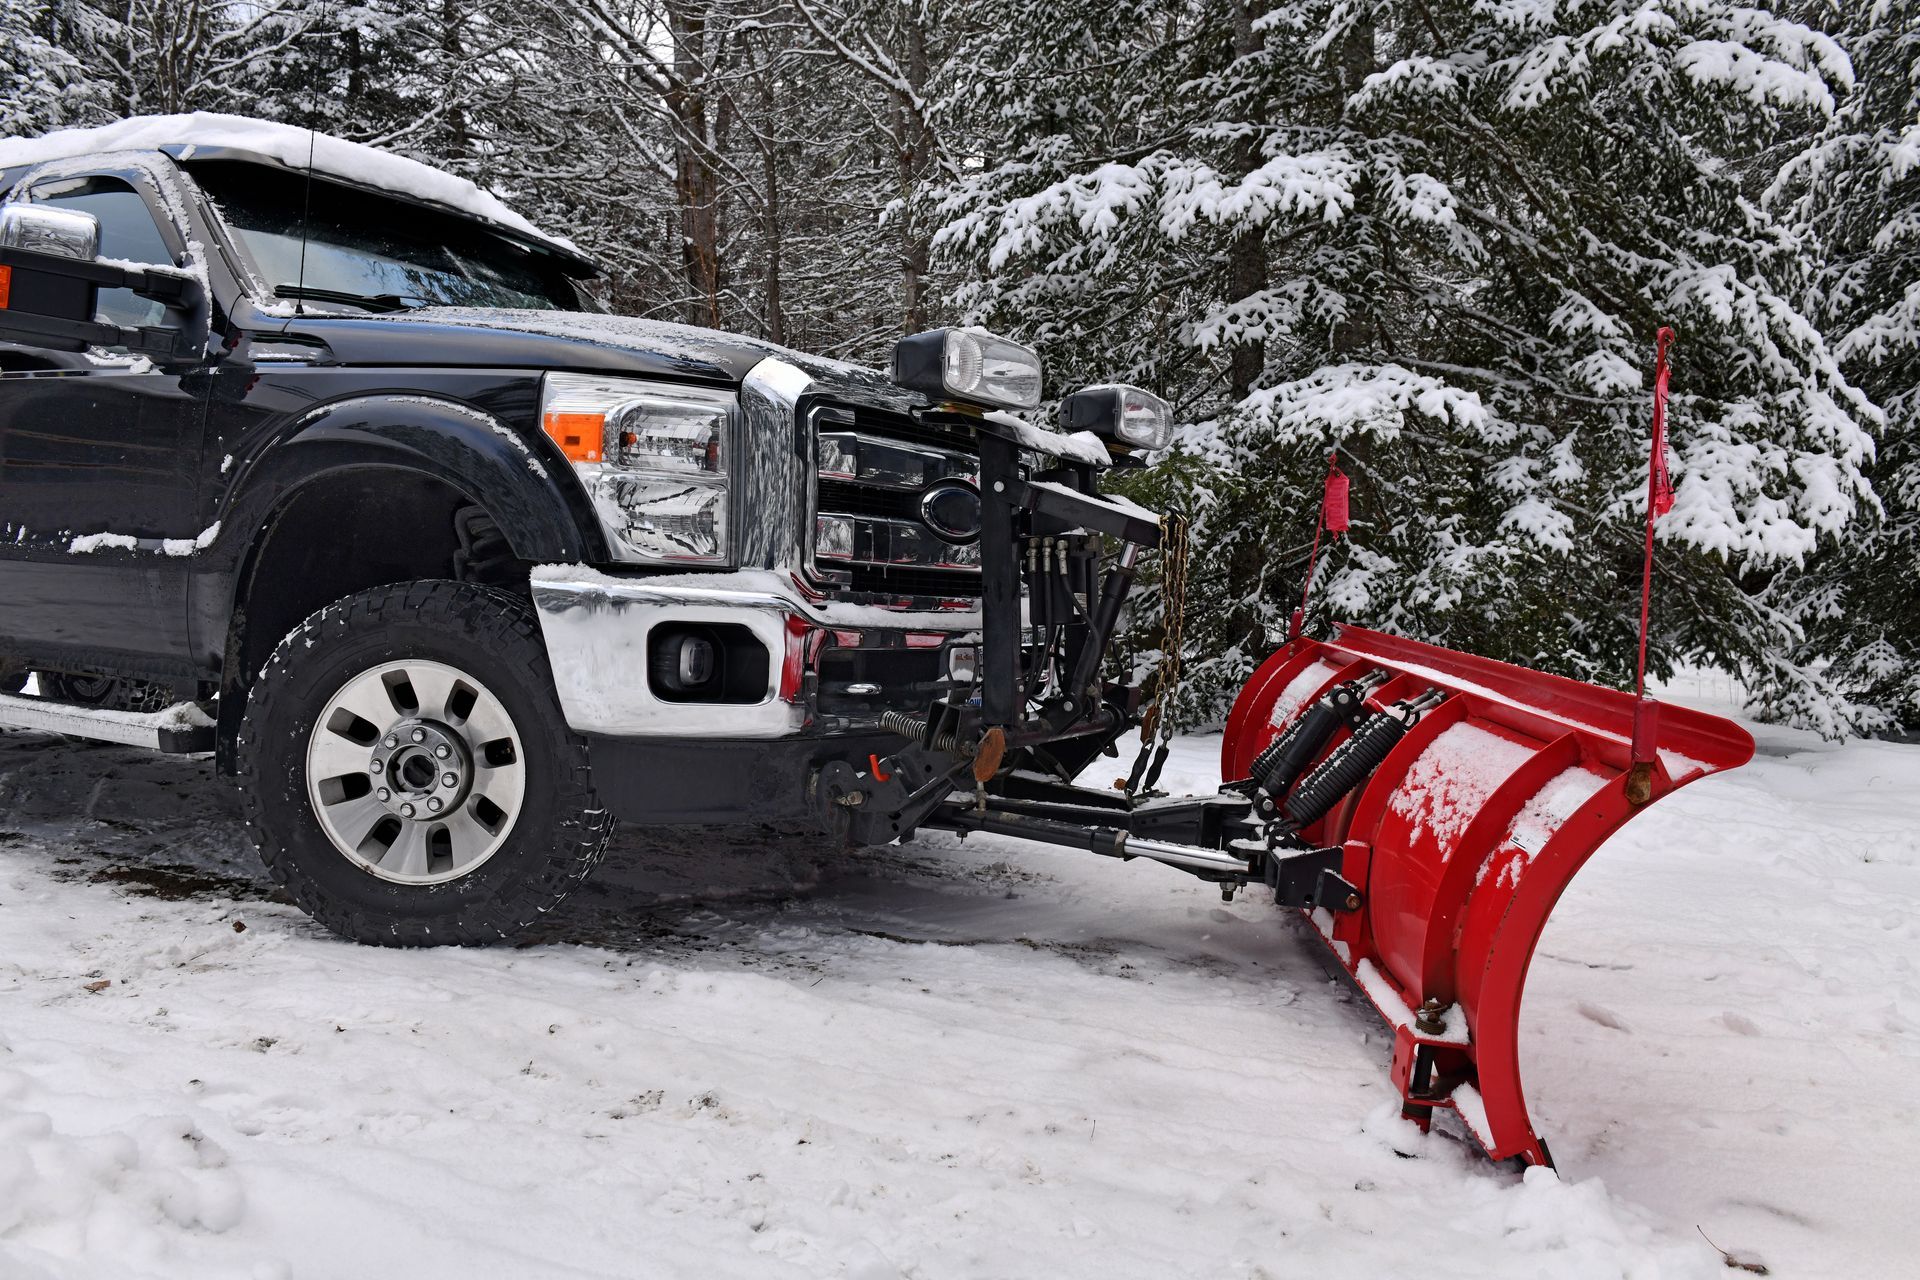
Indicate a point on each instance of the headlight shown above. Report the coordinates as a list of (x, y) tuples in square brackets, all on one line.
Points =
[(968, 364), (653, 458), (1126, 415)]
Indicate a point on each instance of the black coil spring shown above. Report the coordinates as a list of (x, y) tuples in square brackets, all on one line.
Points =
[(1345, 769), (1275, 768)]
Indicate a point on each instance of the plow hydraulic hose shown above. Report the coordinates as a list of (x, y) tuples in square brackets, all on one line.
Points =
[(1288, 755), (1354, 760)]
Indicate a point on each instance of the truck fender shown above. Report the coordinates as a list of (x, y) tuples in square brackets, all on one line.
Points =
[(524, 483)]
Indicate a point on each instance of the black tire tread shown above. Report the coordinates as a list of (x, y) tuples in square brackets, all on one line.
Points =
[(504, 622)]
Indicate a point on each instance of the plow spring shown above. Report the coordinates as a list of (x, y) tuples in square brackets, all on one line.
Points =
[(1425, 808)]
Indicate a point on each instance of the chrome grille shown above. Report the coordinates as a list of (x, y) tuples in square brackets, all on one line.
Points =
[(872, 473)]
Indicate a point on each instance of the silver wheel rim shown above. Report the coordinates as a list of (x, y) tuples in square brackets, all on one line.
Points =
[(415, 771)]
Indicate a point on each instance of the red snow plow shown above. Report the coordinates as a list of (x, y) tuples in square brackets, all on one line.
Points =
[(1496, 789), (1425, 807)]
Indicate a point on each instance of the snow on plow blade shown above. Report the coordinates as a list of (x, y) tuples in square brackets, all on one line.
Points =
[(1461, 842)]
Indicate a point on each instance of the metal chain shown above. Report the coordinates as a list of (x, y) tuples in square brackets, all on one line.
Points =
[(1155, 721)]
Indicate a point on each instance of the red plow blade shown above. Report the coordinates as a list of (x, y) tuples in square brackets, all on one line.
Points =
[(1461, 842)]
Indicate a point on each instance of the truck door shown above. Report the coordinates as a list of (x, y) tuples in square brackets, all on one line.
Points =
[(99, 459)]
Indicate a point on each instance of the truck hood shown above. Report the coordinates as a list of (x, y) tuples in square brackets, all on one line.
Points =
[(567, 340), (582, 341)]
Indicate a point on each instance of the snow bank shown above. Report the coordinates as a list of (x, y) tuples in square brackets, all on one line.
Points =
[(117, 1195), (946, 1059), (335, 157)]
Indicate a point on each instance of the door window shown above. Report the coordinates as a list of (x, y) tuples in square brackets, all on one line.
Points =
[(127, 232)]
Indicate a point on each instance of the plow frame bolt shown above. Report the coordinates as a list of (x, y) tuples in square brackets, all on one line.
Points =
[(1431, 1020)]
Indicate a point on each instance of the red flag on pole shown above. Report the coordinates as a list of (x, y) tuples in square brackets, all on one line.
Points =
[(1646, 712), (1333, 503), (1660, 484), (1333, 519)]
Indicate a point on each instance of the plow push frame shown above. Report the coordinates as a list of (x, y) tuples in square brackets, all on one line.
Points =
[(1424, 808)]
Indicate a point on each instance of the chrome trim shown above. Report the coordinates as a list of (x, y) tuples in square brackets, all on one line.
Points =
[(596, 628), (49, 229), (596, 633), (880, 463), (897, 544), (832, 570), (771, 480)]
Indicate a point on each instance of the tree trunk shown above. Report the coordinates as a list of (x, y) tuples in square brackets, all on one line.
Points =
[(356, 66), (695, 185), (773, 215), (914, 150), (459, 140)]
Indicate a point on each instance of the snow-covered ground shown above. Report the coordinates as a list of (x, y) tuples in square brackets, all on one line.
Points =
[(738, 1058)]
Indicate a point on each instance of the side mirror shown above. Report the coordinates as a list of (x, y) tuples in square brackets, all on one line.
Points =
[(50, 277), (58, 233)]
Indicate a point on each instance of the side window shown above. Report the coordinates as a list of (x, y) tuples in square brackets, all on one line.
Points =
[(127, 232)]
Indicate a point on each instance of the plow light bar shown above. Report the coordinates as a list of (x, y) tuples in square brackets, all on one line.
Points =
[(1120, 413), (968, 364)]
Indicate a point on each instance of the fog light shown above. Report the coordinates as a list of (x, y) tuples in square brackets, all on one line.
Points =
[(684, 662), (696, 661)]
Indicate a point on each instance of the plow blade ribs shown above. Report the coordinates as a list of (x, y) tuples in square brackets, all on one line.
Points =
[(1461, 842)]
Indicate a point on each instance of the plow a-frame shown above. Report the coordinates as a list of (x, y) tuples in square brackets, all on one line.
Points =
[(1424, 807)]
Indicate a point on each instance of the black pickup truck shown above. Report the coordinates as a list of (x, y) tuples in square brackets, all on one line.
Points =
[(323, 461)]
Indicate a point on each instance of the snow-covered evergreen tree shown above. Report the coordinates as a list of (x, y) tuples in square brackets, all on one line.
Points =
[(1435, 237), (1440, 241), (1856, 193), (42, 85)]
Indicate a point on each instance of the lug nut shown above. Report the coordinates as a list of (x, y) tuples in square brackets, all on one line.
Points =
[(443, 751), (419, 735), (376, 765), (406, 810), (392, 741), (450, 780), (434, 803), (384, 794)]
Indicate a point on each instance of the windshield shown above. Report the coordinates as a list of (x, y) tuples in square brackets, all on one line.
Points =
[(371, 252)]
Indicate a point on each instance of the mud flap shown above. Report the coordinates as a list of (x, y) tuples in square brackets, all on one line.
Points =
[(1462, 841)]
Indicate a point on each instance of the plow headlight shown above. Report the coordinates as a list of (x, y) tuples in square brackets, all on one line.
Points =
[(1126, 415), (971, 365), (653, 458)]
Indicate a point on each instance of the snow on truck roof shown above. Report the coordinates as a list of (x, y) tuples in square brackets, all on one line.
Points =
[(355, 162)]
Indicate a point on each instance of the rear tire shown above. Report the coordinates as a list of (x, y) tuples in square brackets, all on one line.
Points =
[(101, 689), (401, 697)]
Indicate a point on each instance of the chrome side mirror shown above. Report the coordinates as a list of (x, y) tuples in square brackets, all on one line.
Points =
[(39, 228)]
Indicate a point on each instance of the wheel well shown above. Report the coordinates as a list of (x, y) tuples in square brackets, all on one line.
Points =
[(343, 534)]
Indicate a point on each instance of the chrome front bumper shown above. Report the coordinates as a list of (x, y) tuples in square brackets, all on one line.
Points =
[(596, 629)]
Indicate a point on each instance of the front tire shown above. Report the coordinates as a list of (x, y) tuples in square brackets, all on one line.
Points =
[(406, 772)]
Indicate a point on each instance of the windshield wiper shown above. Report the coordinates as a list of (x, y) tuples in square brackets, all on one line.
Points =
[(371, 301)]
